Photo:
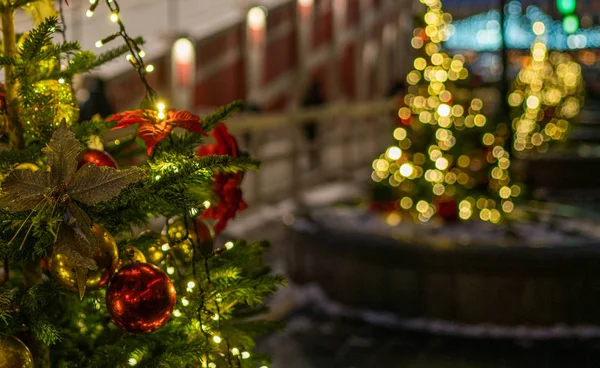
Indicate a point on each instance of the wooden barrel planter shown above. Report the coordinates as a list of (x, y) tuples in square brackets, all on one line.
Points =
[(556, 172), (507, 286)]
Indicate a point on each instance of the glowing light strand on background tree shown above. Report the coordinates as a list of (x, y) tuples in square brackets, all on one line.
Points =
[(430, 107), (550, 91)]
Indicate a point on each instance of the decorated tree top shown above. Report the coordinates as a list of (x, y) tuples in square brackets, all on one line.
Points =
[(548, 95), (446, 148)]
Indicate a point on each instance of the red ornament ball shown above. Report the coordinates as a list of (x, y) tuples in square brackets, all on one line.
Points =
[(98, 158), (140, 298), (448, 210)]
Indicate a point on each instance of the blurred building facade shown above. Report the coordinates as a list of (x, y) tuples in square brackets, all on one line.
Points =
[(354, 49)]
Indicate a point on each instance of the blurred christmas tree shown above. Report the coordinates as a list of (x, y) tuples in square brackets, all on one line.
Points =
[(449, 162), (549, 93), (79, 285)]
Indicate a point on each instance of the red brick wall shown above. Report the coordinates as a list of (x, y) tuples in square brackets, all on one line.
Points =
[(210, 48), (323, 26), (347, 73), (228, 82), (353, 12), (281, 56), (223, 87)]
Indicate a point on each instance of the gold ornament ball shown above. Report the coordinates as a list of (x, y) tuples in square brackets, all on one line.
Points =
[(158, 250), (130, 256), (14, 354), (196, 230), (54, 102), (106, 256)]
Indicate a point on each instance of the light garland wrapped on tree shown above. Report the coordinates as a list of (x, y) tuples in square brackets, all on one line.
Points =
[(78, 286), (449, 163), (549, 91)]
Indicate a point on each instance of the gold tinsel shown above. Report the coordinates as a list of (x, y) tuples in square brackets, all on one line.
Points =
[(54, 102)]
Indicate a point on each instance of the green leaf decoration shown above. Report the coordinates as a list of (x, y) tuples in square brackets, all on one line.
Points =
[(77, 255), (24, 190), (93, 184), (62, 153), (63, 186)]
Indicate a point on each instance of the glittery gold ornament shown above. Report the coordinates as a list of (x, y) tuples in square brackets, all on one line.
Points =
[(53, 102), (14, 354), (158, 249), (130, 256), (182, 236), (106, 256)]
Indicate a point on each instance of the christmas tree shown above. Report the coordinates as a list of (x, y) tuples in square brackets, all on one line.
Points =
[(449, 162), (548, 94), (84, 281)]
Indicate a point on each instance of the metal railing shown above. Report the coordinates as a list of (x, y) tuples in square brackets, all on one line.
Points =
[(348, 137)]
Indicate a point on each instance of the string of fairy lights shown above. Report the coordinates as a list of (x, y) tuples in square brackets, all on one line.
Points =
[(425, 179), (178, 232)]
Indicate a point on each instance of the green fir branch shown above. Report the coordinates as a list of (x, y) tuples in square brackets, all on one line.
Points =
[(8, 60), (44, 330), (7, 299), (38, 38), (219, 115)]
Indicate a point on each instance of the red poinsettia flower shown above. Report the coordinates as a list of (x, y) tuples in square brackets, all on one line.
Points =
[(226, 186), (151, 129)]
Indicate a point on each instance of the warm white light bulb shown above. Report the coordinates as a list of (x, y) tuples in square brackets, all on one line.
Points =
[(406, 170), (539, 28), (114, 17), (394, 153), (441, 163), (444, 110), (183, 50), (257, 18)]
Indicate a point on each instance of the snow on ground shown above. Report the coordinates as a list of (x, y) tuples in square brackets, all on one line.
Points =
[(311, 296)]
